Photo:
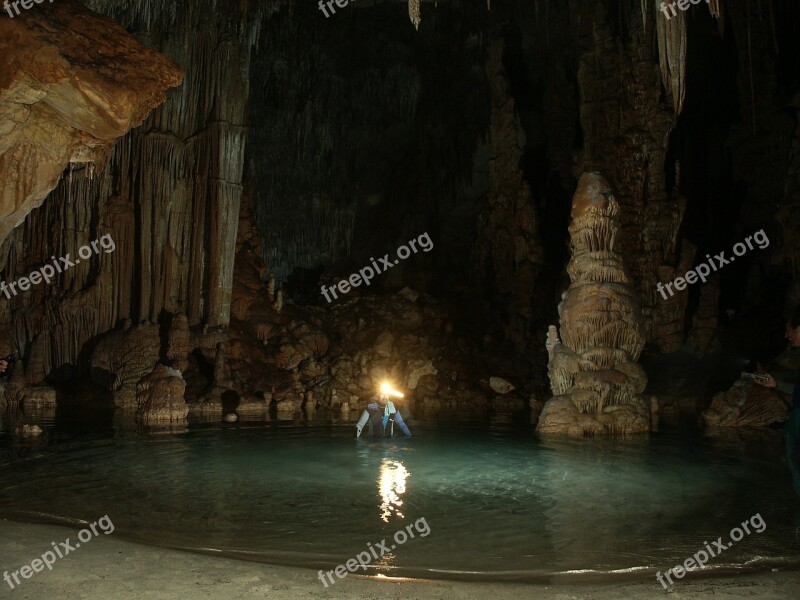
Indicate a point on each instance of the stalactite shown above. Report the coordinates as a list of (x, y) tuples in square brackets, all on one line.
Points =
[(414, 13), (169, 196), (672, 56), (644, 14)]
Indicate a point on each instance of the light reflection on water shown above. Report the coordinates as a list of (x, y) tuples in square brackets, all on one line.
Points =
[(392, 485), (498, 503)]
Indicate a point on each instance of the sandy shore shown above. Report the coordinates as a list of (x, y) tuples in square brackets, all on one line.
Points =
[(107, 568)]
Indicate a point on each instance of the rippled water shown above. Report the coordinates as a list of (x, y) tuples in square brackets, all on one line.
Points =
[(498, 503)]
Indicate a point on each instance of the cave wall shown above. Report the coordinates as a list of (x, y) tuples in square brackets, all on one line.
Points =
[(626, 125), (361, 137), (508, 248), (169, 196), (71, 83), (356, 141), (760, 145)]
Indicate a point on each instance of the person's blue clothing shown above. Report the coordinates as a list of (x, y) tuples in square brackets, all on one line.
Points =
[(373, 413)]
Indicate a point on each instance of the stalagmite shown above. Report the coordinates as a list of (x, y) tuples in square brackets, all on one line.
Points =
[(593, 374)]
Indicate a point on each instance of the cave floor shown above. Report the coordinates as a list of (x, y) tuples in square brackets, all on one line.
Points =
[(113, 568)]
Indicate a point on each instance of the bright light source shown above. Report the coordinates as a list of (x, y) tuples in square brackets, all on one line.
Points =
[(388, 390)]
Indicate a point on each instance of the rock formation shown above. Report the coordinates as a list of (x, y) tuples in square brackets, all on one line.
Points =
[(746, 405), (625, 132), (178, 342), (72, 82), (703, 337), (169, 195), (508, 225), (37, 398), (122, 358), (594, 375), (159, 397)]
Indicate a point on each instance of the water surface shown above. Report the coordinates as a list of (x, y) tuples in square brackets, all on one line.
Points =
[(499, 502)]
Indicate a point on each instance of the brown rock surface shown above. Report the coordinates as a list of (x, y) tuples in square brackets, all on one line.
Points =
[(72, 82), (508, 224), (169, 195), (159, 397), (123, 357), (746, 405), (594, 375)]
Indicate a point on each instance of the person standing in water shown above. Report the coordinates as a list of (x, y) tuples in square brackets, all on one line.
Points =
[(786, 381), (382, 412)]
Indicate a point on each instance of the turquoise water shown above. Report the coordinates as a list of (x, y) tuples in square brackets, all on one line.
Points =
[(498, 502)]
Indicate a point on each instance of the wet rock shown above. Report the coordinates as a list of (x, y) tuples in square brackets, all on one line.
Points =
[(122, 358), (37, 398), (746, 405), (289, 404), (310, 404), (252, 405), (500, 385), (536, 406), (417, 369), (29, 430), (560, 415), (206, 411), (159, 397)]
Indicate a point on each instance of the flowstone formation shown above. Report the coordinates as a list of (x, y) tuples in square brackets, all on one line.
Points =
[(593, 372), (72, 82)]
